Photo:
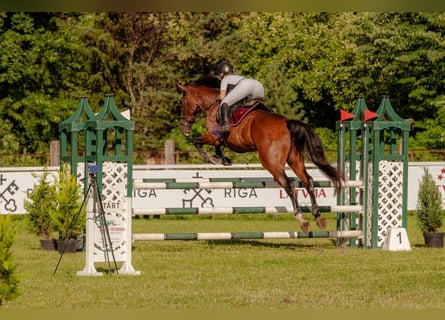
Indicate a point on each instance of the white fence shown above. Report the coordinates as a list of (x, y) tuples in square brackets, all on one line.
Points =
[(16, 183)]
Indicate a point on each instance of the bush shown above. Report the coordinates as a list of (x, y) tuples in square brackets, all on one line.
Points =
[(8, 278), (429, 204), (38, 206), (66, 215)]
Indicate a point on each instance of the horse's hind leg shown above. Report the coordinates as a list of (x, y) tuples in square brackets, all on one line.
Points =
[(282, 179), (290, 190), (275, 162), (296, 162)]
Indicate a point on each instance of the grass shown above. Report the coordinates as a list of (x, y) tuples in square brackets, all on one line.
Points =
[(311, 274)]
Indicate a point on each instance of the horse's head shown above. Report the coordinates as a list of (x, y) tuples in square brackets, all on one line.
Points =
[(196, 99), (189, 110)]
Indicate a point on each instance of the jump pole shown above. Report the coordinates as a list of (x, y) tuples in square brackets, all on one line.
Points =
[(233, 183), (224, 183), (242, 210), (209, 236), (209, 184)]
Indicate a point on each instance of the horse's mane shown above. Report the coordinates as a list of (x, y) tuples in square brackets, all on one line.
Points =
[(208, 81)]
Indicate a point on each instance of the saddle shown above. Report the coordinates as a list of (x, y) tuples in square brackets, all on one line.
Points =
[(240, 111), (242, 108)]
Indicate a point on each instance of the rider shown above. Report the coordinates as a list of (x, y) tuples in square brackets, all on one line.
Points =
[(234, 88)]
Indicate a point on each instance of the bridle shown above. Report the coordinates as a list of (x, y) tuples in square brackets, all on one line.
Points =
[(195, 113)]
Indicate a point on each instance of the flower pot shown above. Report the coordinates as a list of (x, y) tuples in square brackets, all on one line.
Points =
[(80, 244), (67, 246), (48, 244), (434, 239)]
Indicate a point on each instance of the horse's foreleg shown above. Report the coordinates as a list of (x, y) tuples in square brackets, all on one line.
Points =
[(199, 146), (205, 156), (220, 156), (209, 139)]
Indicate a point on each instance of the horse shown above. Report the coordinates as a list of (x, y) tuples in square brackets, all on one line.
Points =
[(277, 139)]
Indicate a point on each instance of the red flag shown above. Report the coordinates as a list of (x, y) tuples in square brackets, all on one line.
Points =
[(370, 115), (344, 115)]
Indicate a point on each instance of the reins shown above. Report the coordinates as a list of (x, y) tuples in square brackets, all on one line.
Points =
[(204, 111)]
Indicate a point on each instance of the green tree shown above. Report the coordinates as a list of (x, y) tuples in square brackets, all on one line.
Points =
[(138, 42), (310, 51), (8, 277), (312, 65), (43, 70), (281, 97), (157, 50), (405, 56)]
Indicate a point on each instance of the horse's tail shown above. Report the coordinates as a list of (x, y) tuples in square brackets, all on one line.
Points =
[(306, 140)]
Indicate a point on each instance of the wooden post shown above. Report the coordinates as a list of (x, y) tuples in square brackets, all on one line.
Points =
[(169, 147), (54, 150)]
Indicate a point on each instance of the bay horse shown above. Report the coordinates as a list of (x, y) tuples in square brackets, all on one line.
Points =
[(277, 140)]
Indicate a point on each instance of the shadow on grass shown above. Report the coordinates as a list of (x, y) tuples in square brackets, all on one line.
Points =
[(268, 244), (288, 244)]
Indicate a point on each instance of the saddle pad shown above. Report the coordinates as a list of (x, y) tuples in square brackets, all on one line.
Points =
[(242, 111)]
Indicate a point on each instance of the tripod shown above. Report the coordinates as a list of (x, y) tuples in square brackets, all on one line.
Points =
[(99, 219)]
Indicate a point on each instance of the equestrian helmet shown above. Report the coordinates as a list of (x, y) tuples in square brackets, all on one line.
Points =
[(224, 67)]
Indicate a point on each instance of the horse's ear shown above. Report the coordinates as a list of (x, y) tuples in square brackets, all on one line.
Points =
[(181, 87)]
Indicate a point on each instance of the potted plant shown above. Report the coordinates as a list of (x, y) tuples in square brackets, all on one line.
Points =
[(68, 215), (429, 211), (38, 205)]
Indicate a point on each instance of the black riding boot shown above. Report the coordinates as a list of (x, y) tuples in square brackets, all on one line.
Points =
[(224, 125)]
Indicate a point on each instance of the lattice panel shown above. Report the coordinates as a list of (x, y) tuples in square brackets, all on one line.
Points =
[(390, 198), (114, 181), (114, 193)]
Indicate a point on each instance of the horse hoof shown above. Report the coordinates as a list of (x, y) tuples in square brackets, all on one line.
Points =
[(321, 222), (226, 161), (305, 226), (215, 160)]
